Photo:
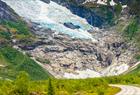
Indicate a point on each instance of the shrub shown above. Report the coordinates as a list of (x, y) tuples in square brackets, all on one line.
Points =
[(131, 29), (22, 84)]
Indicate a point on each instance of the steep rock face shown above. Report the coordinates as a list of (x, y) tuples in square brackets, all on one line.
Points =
[(95, 16), (7, 13), (46, 1)]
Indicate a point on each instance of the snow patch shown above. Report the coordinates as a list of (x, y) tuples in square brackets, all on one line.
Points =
[(112, 3), (82, 74), (124, 6), (101, 2), (115, 70)]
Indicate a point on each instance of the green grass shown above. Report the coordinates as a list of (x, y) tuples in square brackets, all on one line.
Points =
[(22, 84), (135, 71), (76, 87), (131, 77), (11, 60), (2, 61), (16, 61)]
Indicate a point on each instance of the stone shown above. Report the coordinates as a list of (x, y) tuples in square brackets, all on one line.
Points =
[(99, 57), (72, 26), (46, 1)]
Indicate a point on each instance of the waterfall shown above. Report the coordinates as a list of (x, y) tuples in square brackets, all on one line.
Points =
[(52, 16)]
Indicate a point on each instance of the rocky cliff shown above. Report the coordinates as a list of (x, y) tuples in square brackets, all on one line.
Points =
[(7, 13)]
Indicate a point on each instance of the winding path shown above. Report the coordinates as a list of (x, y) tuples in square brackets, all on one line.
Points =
[(128, 90)]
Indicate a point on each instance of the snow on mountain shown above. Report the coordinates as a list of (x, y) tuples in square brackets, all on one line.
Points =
[(82, 74), (112, 3), (52, 16), (101, 2)]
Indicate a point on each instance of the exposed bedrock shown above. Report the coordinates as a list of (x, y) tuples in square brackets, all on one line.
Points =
[(68, 55), (7, 13)]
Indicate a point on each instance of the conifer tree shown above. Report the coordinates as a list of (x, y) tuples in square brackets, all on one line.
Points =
[(50, 88)]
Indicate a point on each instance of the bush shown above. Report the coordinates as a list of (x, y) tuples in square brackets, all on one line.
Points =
[(118, 9), (131, 29), (6, 35), (22, 84)]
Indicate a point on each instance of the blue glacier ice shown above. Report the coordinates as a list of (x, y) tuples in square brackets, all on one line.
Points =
[(52, 16)]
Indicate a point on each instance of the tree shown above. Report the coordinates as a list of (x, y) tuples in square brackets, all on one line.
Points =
[(50, 88), (132, 29)]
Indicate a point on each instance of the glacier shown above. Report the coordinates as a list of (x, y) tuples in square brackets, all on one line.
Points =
[(51, 16)]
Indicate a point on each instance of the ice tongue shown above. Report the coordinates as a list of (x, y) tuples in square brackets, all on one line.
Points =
[(52, 16)]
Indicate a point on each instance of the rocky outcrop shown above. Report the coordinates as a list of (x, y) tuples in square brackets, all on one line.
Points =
[(46, 1), (7, 13), (70, 25)]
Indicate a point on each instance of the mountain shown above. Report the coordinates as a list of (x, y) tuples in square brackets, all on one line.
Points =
[(67, 38), (68, 47)]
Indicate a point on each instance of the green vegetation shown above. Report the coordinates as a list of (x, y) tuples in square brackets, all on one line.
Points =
[(118, 9), (20, 27), (132, 77), (23, 86), (132, 29), (132, 33), (15, 61), (50, 88), (18, 31), (6, 35), (11, 60)]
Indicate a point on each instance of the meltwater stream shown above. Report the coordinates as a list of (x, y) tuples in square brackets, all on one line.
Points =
[(52, 16)]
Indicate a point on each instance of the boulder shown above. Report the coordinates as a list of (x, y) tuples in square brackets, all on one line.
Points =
[(46, 1), (99, 56), (109, 59), (71, 25)]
